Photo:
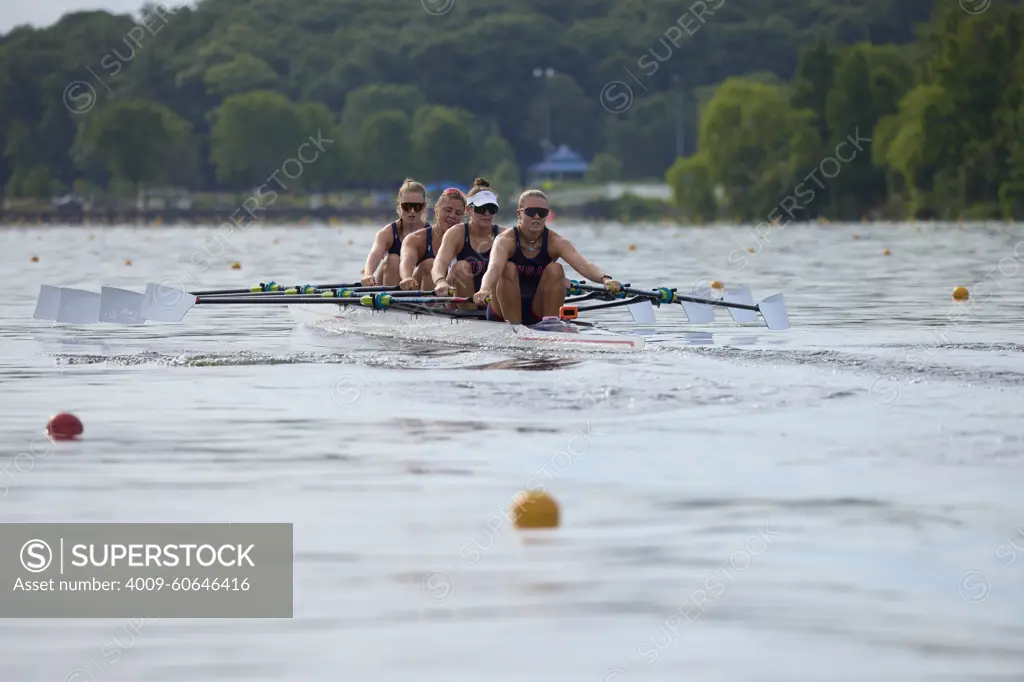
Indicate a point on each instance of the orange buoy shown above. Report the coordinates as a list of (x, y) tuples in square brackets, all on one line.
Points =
[(632, 247), (34, 259), (127, 261), (717, 285), (960, 294), (535, 509), (887, 252), (64, 426)]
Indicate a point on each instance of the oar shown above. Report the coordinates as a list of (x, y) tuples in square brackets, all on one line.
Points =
[(379, 301), (272, 286), (698, 309)]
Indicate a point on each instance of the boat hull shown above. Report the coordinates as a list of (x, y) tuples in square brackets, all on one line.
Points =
[(351, 318)]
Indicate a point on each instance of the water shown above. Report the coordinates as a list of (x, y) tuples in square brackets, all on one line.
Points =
[(839, 501)]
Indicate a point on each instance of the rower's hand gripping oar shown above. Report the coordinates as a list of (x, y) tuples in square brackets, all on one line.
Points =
[(699, 309)]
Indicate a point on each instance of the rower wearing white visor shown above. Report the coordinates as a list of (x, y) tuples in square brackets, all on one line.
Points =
[(466, 249)]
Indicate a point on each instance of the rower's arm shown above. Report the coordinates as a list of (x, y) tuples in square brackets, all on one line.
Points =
[(413, 247), (443, 258), (501, 251), (563, 248), (380, 247)]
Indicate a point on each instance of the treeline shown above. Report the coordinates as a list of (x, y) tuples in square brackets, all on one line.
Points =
[(930, 129), (220, 96)]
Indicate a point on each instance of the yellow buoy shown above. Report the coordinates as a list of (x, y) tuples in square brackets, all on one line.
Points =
[(960, 294), (717, 285), (236, 266), (535, 509), (632, 247), (887, 252)]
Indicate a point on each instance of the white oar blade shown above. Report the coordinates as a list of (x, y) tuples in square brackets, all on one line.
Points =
[(773, 310), (698, 313), (164, 304), (642, 312), (48, 303), (120, 306), (78, 307), (740, 295)]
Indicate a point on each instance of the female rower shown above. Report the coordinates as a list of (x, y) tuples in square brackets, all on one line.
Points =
[(418, 249), (469, 245), (530, 284), (412, 200)]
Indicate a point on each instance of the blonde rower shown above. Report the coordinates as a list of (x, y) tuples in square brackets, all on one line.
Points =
[(523, 273), (412, 200), (418, 249)]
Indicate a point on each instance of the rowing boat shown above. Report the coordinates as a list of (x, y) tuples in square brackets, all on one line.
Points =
[(462, 329), (418, 314)]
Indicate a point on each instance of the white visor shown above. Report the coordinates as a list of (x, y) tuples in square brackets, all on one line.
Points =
[(482, 198)]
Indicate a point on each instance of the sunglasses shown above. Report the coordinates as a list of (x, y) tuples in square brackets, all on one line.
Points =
[(536, 212), (413, 206), (490, 209)]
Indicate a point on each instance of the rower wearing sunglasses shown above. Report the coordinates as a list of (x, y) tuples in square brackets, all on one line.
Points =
[(524, 284), (419, 248), (468, 245), (387, 246)]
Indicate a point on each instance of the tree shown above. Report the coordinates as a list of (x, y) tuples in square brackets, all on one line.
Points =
[(138, 142), (752, 144), (442, 143), (385, 141), (253, 135), (242, 74)]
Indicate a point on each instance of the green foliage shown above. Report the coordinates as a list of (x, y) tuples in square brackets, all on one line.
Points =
[(226, 92), (140, 142), (604, 168)]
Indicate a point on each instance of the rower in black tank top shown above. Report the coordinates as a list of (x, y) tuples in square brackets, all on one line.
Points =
[(477, 261), (530, 271)]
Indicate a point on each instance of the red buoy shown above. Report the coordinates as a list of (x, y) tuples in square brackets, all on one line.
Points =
[(64, 426)]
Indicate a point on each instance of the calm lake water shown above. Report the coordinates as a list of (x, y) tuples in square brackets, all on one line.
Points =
[(839, 501)]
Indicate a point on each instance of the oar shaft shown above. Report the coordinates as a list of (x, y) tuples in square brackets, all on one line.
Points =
[(382, 299), (280, 289)]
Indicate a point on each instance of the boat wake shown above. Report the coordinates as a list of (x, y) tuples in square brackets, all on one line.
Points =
[(530, 361)]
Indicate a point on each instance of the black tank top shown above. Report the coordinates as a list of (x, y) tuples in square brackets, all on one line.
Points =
[(396, 242), (477, 261), (429, 253), (530, 269)]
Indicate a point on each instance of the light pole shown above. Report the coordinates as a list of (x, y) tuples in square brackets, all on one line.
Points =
[(546, 74)]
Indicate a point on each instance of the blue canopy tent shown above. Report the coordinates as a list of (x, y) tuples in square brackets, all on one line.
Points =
[(561, 164)]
